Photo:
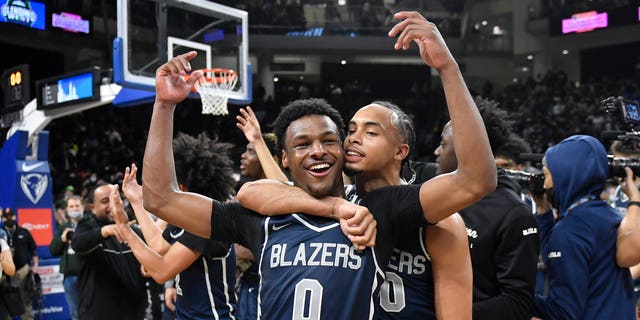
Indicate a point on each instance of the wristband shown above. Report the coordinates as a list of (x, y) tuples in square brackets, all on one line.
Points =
[(633, 203)]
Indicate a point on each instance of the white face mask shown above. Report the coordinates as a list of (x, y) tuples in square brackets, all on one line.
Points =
[(74, 214)]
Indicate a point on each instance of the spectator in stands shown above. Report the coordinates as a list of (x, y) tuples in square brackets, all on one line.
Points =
[(24, 252), (61, 247)]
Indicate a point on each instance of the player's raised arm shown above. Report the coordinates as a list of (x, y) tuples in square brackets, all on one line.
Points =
[(133, 192), (162, 196), (476, 174), (160, 267), (248, 123)]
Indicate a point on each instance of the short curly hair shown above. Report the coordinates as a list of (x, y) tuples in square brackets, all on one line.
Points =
[(496, 121), (513, 148), (305, 107), (204, 166)]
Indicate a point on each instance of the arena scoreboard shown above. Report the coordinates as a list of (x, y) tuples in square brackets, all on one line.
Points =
[(15, 86)]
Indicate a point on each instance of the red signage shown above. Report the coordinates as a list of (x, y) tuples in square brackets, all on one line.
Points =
[(39, 222)]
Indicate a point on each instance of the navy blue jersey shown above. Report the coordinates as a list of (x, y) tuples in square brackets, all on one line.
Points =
[(408, 289), (205, 290), (311, 260), (307, 265)]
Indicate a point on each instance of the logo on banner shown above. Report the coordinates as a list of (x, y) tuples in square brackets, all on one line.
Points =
[(34, 186), (39, 221), (28, 167)]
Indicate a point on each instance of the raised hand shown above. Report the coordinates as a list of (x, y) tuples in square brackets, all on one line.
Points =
[(629, 185), (248, 123), (171, 85), (116, 207), (414, 27), (132, 190)]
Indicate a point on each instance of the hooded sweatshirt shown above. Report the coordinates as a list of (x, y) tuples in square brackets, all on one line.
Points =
[(584, 280)]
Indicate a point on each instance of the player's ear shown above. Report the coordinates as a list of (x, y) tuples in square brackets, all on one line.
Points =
[(285, 160), (401, 152)]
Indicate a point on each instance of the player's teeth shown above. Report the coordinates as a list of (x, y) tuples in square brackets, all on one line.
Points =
[(319, 166)]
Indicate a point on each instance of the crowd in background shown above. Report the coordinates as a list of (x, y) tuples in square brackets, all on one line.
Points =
[(95, 145)]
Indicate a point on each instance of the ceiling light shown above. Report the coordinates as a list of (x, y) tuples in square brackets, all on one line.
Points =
[(530, 57), (275, 79)]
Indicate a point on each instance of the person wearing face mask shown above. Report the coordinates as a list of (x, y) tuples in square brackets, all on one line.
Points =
[(24, 251), (580, 245), (61, 247)]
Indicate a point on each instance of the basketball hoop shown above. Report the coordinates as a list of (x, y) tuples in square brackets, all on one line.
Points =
[(214, 88)]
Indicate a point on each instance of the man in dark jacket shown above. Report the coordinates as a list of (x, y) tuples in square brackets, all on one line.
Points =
[(502, 232), (580, 248), (110, 283), (60, 246)]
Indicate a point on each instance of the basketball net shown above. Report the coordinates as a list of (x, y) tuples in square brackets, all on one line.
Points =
[(214, 88)]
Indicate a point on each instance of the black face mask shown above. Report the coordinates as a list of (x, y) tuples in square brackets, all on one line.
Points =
[(551, 197), (10, 223)]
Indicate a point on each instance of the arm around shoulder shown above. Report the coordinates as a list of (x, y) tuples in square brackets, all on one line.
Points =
[(271, 197)]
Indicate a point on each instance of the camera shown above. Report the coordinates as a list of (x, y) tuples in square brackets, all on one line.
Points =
[(627, 110), (534, 182), (616, 166)]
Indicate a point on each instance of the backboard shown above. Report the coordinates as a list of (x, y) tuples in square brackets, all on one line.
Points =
[(150, 32)]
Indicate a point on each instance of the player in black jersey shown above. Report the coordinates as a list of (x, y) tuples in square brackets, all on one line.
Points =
[(424, 265), (476, 174), (380, 168)]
